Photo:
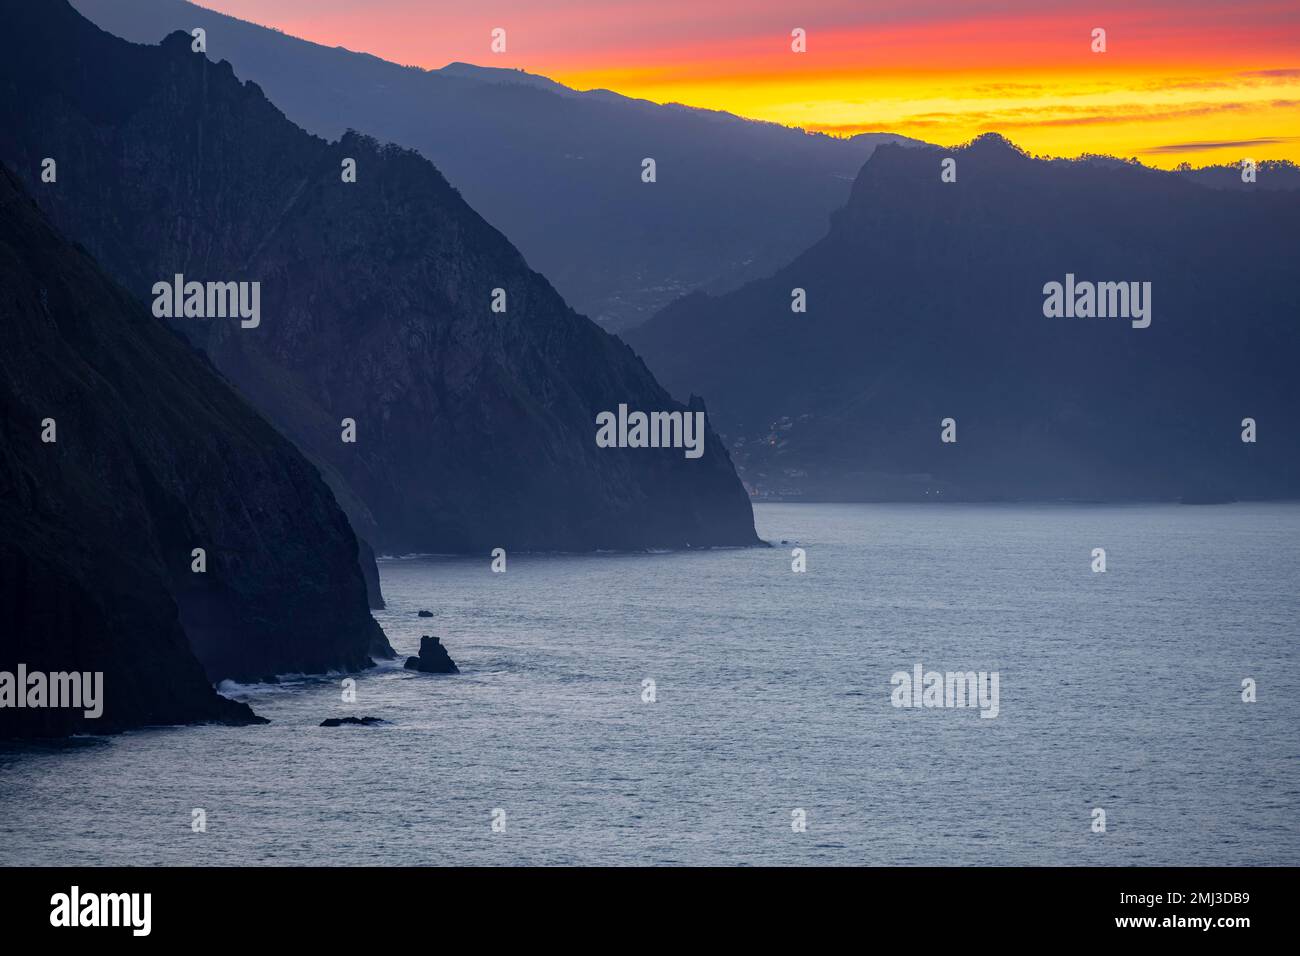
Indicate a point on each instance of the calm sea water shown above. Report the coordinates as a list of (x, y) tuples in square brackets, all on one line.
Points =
[(1119, 690)]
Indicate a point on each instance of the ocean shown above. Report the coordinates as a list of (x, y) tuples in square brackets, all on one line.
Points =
[(769, 733)]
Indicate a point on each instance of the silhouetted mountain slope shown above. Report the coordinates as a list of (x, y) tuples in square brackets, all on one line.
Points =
[(154, 456), (558, 171), (474, 429), (926, 301), (1270, 175)]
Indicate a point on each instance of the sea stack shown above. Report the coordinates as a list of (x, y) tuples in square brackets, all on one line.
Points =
[(433, 658)]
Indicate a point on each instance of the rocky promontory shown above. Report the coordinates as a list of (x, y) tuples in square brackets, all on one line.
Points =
[(154, 529)]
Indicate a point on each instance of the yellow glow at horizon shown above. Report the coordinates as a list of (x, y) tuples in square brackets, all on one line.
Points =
[(1128, 114)]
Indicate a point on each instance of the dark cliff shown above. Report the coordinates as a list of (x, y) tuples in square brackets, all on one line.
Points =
[(926, 301), (154, 456), (475, 429)]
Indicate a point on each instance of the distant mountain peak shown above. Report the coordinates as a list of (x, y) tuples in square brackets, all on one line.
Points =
[(926, 299), (503, 75), (993, 141)]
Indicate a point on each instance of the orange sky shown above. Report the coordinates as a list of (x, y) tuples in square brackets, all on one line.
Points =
[(1180, 79)]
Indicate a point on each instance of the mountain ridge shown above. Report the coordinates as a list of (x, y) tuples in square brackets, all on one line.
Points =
[(558, 172), (474, 429), (925, 301)]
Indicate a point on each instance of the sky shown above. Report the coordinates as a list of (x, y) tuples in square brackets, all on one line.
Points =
[(1179, 81)]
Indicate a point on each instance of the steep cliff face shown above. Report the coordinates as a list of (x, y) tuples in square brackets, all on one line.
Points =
[(83, 587), (152, 456), (474, 428), (926, 301)]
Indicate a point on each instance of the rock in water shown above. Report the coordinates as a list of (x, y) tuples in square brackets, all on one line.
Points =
[(426, 614), (433, 658), (362, 721)]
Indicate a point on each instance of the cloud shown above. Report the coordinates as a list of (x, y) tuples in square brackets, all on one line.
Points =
[(846, 129), (1291, 72), (1067, 115), (1218, 144)]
